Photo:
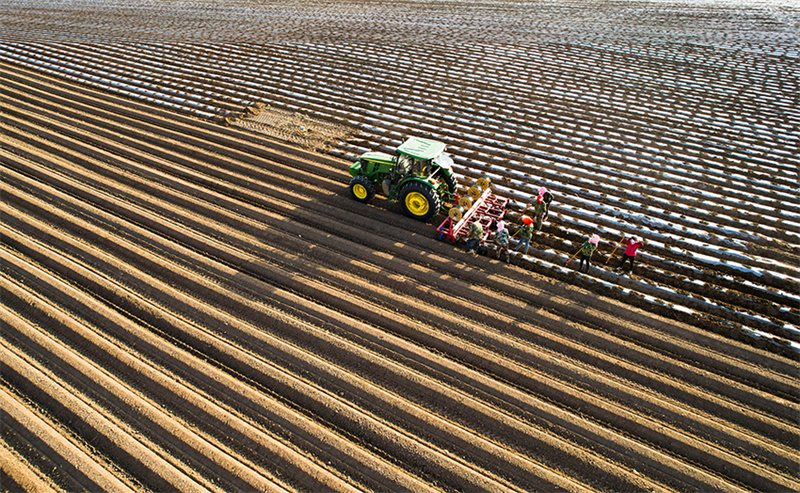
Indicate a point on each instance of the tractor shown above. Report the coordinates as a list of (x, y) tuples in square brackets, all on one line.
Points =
[(419, 176)]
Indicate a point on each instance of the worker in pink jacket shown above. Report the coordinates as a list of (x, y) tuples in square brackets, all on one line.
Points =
[(632, 244)]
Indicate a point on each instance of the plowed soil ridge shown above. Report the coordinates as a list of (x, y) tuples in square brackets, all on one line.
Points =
[(194, 308)]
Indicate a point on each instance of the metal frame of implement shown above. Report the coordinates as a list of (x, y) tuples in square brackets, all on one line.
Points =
[(487, 209)]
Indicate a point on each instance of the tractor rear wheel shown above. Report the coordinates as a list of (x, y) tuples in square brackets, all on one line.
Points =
[(362, 189), (420, 201)]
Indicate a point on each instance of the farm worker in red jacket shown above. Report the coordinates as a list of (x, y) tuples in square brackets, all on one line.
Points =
[(632, 244), (474, 237), (525, 233), (587, 249)]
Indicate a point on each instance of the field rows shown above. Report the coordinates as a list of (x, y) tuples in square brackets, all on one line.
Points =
[(174, 314), (193, 302), (720, 222)]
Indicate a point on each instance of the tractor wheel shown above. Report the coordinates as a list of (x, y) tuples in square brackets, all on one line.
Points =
[(452, 183), (419, 201), (362, 189)]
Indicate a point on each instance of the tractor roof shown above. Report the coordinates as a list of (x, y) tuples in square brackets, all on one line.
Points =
[(377, 156), (419, 148)]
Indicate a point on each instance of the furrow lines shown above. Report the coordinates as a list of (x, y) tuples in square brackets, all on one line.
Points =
[(765, 304), (138, 456), (189, 305), (309, 234), (189, 360), (367, 400)]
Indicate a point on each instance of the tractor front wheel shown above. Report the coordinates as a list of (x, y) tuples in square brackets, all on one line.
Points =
[(420, 201), (362, 189), (452, 183)]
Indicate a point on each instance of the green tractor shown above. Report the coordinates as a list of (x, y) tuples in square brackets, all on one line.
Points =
[(419, 176)]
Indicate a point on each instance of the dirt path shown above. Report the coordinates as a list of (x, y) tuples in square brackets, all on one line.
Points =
[(193, 307)]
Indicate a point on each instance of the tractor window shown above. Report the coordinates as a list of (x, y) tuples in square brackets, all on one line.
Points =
[(421, 168), (403, 165)]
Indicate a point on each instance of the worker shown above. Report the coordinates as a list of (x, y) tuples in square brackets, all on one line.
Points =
[(501, 240), (587, 249), (525, 233), (548, 198), (632, 244), (540, 209), (474, 236)]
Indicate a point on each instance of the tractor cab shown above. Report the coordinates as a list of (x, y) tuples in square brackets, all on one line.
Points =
[(420, 157)]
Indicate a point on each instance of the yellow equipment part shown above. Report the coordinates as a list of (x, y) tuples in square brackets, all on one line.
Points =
[(417, 203), (456, 213), (360, 191), (474, 192)]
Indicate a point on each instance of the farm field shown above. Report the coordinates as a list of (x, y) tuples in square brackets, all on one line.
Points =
[(192, 301)]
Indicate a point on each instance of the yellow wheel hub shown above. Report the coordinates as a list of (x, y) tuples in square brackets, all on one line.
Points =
[(360, 191), (417, 204)]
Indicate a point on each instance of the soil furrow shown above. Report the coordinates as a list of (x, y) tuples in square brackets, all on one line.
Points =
[(693, 286), (337, 413), (305, 233), (195, 367), (227, 471), (108, 436), (16, 472), (192, 304), (49, 447), (522, 357), (146, 416), (367, 401)]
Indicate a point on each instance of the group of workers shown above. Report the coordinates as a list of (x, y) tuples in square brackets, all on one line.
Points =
[(632, 244), (539, 210)]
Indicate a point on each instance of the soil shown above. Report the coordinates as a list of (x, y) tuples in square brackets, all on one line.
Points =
[(194, 304), (177, 308), (292, 127)]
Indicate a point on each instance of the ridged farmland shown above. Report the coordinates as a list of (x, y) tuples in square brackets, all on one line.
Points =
[(191, 301)]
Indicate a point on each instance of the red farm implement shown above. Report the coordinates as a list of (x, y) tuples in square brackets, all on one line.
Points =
[(481, 205)]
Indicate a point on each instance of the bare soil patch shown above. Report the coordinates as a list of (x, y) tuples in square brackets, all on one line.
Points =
[(292, 126)]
